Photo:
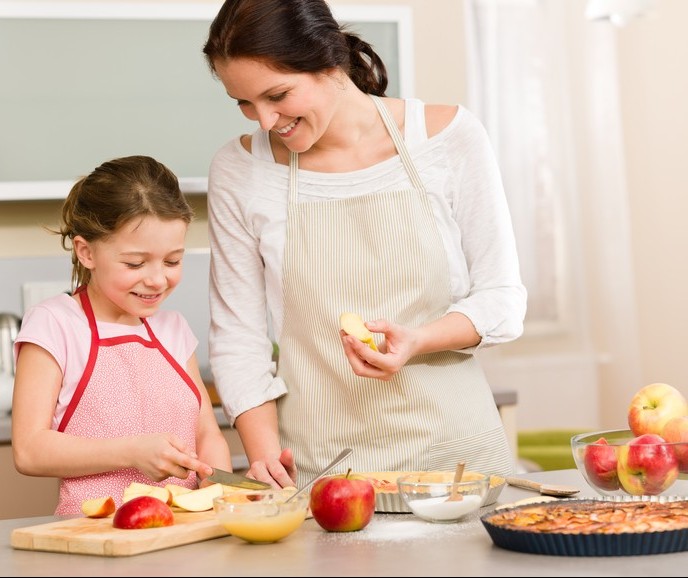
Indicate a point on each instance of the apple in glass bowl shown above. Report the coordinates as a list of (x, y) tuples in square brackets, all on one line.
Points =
[(619, 463)]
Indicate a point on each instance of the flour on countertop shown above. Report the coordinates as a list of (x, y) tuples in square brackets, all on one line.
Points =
[(388, 528)]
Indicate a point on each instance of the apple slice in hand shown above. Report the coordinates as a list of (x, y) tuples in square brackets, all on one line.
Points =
[(98, 507), (198, 500), (352, 324)]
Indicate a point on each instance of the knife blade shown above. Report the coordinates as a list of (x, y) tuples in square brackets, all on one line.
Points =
[(237, 480)]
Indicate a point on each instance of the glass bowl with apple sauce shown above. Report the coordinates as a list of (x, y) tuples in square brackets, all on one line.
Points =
[(261, 516), (620, 463)]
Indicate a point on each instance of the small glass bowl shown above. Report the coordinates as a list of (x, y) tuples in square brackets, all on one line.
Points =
[(261, 516), (430, 495), (613, 468)]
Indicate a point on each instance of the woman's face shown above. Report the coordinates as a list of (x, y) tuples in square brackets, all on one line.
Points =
[(296, 107)]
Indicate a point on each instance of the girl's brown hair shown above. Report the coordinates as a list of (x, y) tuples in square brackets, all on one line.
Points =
[(112, 195), (293, 36)]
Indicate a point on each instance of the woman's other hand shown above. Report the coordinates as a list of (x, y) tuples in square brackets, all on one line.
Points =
[(280, 472)]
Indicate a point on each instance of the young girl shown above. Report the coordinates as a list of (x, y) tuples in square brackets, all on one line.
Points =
[(107, 388)]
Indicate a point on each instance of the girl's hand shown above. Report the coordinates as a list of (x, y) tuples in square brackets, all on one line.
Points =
[(279, 472), (160, 456), (394, 352)]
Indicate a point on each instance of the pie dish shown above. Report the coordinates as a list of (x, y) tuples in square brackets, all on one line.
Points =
[(626, 526), (388, 500)]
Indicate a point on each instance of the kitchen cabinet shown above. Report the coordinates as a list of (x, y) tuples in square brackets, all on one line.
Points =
[(24, 495)]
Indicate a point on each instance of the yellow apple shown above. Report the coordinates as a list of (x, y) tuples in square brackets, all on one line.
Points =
[(198, 500), (136, 489), (98, 507), (352, 324), (653, 406)]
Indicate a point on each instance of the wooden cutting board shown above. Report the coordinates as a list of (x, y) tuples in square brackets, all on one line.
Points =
[(96, 536)]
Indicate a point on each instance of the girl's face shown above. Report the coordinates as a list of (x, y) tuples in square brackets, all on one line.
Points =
[(134, 270), (297, 107)]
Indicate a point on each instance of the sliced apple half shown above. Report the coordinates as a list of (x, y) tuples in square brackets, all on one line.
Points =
[(138, 489), (198, 500), (176, 490), (99, 507), (352, 324)]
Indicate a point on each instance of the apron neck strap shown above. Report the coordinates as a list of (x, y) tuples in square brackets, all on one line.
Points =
[(399, 143)]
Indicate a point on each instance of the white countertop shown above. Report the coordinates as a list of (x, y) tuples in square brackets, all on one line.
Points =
[(391, 545)]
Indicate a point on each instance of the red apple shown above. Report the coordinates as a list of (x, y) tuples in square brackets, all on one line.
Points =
[(676, 431), (647, 465), (343, 502), (143, 512), (653, 406), (600, 465)]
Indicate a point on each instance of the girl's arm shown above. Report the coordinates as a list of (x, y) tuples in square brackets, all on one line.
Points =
[(41, 451)]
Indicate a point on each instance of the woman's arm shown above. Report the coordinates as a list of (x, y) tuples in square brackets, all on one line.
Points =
[(257, 428)]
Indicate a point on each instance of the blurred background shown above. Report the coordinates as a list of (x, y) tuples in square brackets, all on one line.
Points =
[(585, 106)]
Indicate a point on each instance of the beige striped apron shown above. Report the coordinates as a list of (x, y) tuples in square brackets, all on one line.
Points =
[(380, 255)]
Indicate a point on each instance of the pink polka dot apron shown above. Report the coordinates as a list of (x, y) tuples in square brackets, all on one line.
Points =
[(130, 386), (380, 255)]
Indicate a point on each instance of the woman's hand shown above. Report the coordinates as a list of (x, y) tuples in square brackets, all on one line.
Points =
[(279, 472), (394, 352), (160, 456)]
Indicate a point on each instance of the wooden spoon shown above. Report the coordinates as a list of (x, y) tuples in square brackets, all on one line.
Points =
[(458, 474), (544, 489)]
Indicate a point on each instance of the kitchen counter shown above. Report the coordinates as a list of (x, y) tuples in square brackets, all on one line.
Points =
[(391, 545)]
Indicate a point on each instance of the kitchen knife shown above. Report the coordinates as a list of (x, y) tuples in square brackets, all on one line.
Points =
[(237, 480)]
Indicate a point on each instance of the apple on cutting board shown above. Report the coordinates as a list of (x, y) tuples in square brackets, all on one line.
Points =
[(198, 500), (143, 512), (99, 507), (136, 489)]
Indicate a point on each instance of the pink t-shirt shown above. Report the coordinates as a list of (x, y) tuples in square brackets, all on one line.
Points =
[(59, 326)]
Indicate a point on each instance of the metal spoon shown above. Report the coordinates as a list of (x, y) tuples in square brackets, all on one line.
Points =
[(341, 457), (544, 489)]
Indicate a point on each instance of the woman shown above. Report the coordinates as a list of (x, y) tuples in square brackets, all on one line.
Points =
[(344, 200)]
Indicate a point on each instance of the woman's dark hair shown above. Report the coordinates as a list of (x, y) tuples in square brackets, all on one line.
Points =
[(116, 192), (293, 36)]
